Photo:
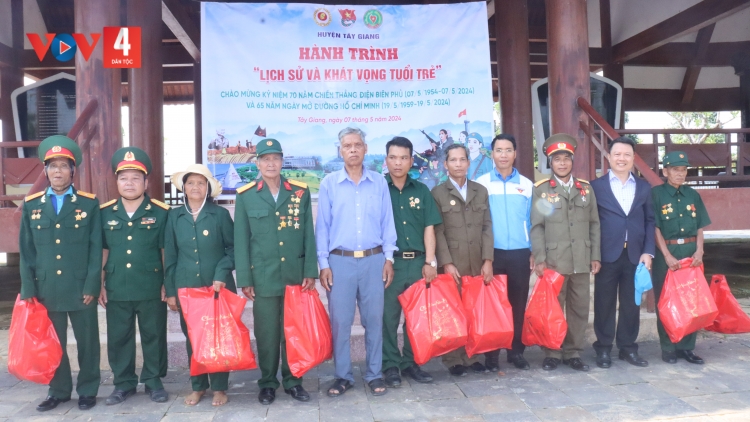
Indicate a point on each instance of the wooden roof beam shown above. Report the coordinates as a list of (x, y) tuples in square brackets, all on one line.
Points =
[(693, 71), (174, 16), (682, 54), (689, 20)]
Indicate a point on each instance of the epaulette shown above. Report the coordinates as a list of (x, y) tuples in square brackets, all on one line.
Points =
[(246, 187), (86, 194), (297, 183), (584, 181), (106, 204), (160, 204), (540, 182), (33, 195)]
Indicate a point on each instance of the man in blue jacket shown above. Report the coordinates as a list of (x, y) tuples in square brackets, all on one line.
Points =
[(510, 206), (627, 218)]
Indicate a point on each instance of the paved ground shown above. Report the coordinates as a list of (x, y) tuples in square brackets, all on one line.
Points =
[(719, 390)]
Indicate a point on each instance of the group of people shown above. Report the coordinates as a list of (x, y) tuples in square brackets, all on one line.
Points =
[(374, 237)]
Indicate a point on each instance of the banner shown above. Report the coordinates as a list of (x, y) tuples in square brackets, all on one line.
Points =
[(300, 73)]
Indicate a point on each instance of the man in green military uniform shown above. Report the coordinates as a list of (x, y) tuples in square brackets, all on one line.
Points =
[(274, 247), (680, 219), (133, 283), (565, 237), (413, 205), (61, 263)]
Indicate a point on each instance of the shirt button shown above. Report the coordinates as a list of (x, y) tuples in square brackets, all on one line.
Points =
[(682, 230), (282, 259), (128, 251), (402, 207), (277, 213), (196, 251), (571, 224), (281, 243), (357, 204), (198, 275), (76, 226), (359, 231), (128, 265), (130, 223), (59, 272), (57, 226), (193, 238), (57, 240), (196, 262), (407, 238), (680, 215), (58, 257), (130, 237)]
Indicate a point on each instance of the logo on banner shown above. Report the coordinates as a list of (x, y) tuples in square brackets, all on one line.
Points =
[(122, 47), (373, 19), (322, 16), (63, 46), (347, 17)]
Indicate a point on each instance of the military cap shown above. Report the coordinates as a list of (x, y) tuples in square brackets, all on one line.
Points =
[(268, 146), (131, 158), (476, 136), (559, 142), (675, 159), (59, 146)]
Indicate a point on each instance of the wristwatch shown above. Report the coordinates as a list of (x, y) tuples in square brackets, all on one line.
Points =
[(432, 263)]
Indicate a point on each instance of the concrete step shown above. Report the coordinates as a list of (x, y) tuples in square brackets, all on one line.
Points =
[(178, 354)]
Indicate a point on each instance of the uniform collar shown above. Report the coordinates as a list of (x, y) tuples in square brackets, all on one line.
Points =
[(671, 190), (560, 182), (50, 192), (409, 181), (497, 177)]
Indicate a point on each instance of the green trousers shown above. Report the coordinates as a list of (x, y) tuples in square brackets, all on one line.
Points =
[(405, 273), (86, 331), (217, 381), (268, 314), (152, 324), (659, 271)]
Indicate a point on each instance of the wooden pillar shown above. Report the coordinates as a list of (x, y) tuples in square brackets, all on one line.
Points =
[(146, 92), (568, 66), (611, 70), (198, 110), (11, 78), (741, 63), (93, 81), (514, 74)]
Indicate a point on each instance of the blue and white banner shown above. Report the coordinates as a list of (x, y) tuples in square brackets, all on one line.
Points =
[(300, 73)]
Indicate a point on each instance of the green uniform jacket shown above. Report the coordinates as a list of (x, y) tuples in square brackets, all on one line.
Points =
[(414, 208), (134, 269), (464, 238), (61, 254), (198, 252), (565, 227), (272, 255), (679, 214)]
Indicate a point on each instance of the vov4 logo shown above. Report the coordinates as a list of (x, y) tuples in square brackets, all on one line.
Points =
[(122, 46)]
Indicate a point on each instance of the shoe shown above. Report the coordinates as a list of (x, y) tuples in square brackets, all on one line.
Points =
[(86, 402), (669, 357), (392, 377), (689, 356), (458, 370), (604, 360), (417, 374), (298, 393), (50, 403), (550, 364), (577, 364), (158, 396), (633, 359), (492, 361), (267, 395), (118, 396), (478, 368), (519, 362)]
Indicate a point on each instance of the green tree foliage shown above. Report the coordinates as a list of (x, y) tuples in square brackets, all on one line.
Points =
[(699, 120)]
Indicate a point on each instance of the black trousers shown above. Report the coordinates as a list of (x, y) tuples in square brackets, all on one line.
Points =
[(616, 278), (515, 264)]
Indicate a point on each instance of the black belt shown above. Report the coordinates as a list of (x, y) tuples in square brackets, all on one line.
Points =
[(408, 254), (358, 254)]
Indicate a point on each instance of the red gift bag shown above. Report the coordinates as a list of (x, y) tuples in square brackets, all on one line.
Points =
[(307, 330), (34, 351), (731, 318), (435, 320), (488, 312), (686, 304), (220, 341), (544, 322)]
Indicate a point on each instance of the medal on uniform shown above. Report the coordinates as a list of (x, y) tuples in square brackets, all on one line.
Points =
[(544, 195), (83, 214), (78, 215), (299, 194), (112, 222), (453, 202), (296, 209), (283, 222), (411, 202), (205, 232), (296, 223), (291, 211), (152, 220)]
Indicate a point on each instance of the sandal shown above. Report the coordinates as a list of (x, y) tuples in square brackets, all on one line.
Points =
[(339, 387), (375, 385)]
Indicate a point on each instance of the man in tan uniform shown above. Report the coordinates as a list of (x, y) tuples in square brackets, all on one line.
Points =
[(565, 238), (464, 240)]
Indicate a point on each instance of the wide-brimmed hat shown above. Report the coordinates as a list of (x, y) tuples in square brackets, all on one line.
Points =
[(197, 169)]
